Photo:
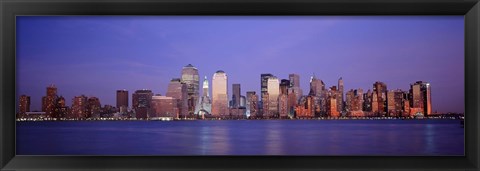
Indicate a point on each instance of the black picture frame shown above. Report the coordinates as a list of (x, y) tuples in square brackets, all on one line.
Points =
[(11, 8)]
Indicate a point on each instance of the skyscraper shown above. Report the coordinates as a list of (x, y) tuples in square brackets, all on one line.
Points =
[(79, 107), (61, 109), (219, 94), (394, 103), (236, 95), (204, 105), (141, 101), (48, 101), (190, 78), (332, 96), (380, 91), (24, 105), (93, 107), (421, 97), (178, 90), (340, 98), (295, 86), (252, 104), (122, 100), (273, 90)]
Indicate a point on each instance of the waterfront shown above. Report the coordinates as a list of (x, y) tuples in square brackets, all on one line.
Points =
[(242, 137)]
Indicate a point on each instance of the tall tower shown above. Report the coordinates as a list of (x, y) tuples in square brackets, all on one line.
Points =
[(421, 97), (236, 95), (219, 94), (48, 101), (380, 92), (178, 90), (273, 93), (204, 105), (24, 105), (122, 100), (340, 99), (190, 78)]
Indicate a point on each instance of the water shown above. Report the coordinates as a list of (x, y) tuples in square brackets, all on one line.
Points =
[(242, 137)]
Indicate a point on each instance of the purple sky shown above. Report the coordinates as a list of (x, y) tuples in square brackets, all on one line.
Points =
[(95, 56)]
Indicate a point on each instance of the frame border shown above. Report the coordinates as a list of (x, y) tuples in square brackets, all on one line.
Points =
[(11, 8)]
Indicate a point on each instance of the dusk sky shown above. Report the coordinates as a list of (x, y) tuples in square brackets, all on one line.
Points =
[(97, 55)]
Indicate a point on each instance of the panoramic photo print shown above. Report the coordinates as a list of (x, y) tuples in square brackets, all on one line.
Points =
[(240, 85)]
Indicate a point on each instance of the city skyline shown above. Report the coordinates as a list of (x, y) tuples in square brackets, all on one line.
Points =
[(105, 78)]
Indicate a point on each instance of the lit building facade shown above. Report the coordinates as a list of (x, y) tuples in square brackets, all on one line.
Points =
[(122, 101), (79, 107), (379, 105), (340, 98), (93, 107), (395, 103), (252, 104), (178, 90), (141, 102), (273, 93), (24, 105), (204, 105), (191, 79), (332, 102), (48, 101), (421, 98), (220, 94), (163, 106), (236, 95)]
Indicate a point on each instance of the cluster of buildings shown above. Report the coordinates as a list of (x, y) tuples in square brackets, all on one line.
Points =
[(278, 98)]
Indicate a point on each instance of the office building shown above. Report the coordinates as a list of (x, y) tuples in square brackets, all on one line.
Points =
[(122, 101), (191, 79), (141, 102), (204, 105), (178, 90), (79, 107), (164, 107), (220, 94), (273, 90)]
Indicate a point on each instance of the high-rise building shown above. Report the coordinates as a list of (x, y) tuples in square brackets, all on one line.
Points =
[(406, 104), (367, 103), (273, 93), (93, 107), (191, 79), (263, 93), (219, 94), (340, 98), (295, 86), (141, 102), (79, 107), (178, 90), (24, 105), (48, 101), (122, 100), (332, 96), (204, 105), (317, 90), (252, 104), (236, 95), (380, 91), (163, 106), (61, 109), (421, 97), (265, 105), (395, 103)]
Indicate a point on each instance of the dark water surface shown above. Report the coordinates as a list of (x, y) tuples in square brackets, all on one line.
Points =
[(242, 137)]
